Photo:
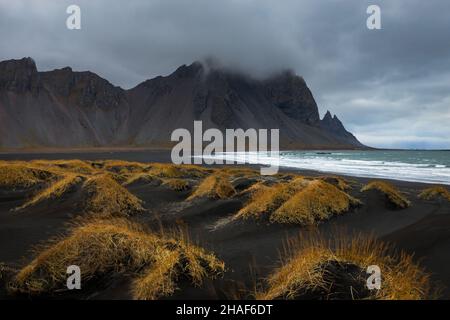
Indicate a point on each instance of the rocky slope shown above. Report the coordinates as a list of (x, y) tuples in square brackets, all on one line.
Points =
[(63, 108)]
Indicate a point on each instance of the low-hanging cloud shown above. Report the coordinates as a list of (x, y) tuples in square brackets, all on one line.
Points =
[(390, 86)]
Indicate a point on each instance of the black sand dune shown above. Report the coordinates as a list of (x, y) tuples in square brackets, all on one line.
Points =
[(250, 249)]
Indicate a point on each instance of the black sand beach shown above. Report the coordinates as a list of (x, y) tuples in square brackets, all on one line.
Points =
[(250, 249)]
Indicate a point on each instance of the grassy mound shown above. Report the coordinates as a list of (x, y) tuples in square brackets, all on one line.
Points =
[(435, 192), (395, 198), (116, 247), (56, 190), (141, 177), (177, 184), (166, 170), (20, 176), (251, 190), (335, 269), (239, 172), (123, 167), (317, 201), (6, 273), (338, 182), (265, 200), (299, 201), (65, 166), (215, 186), (106, 197)]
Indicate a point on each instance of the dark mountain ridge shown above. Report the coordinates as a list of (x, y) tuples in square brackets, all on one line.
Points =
[(67, 109)]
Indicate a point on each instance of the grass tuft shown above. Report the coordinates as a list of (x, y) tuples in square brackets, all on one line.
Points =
[(20, 176), (300, 201), (215, 186), (317, 201), (338, 182), (116, 247), (141, 177), (239, 172), (106, 197), (6, 272), (435, 192), (65, 166), (265, 200), (394, 196), (123, 167), (316, 268), (55, 191), (177, 184), (166, 170)]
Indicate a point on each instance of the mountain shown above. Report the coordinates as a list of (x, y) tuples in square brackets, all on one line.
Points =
[(63, 108)]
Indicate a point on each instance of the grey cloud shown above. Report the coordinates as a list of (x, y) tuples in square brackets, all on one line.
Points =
[(390, 87)]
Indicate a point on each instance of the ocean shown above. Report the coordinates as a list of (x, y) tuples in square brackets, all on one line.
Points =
[(406, 165)]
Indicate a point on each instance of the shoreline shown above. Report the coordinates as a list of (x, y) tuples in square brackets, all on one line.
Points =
[(5, 151), (163, 156)]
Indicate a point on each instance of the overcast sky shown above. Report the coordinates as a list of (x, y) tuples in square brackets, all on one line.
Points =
[(390, 87)]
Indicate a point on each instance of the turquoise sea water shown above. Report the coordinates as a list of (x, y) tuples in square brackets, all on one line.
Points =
[(419, 166)]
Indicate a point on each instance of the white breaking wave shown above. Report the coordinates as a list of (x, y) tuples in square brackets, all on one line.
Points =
[(416, 172)]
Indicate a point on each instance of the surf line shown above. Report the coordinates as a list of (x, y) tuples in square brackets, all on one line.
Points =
[(236, 140)]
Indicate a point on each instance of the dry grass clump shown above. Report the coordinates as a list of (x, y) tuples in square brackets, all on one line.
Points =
[(265, 200), (215, 186), (141, 177), (122, 167), (117, 247), (5, 273), (239, 172), (65, 166), (300, 201), (106, 197), (316, 268), (163, 170), (255, 187), (56, 190), (167, 170), (394, 196), (339, 182), (317, 201), (435, 192), (252, 189), (177, 184), (17, 175)]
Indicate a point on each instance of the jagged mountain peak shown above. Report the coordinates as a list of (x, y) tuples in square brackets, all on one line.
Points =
[(84, 88), (25, 62), (18, 75), (75, 109), (327, 116), (188, 71), (331, 119)]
